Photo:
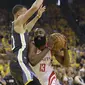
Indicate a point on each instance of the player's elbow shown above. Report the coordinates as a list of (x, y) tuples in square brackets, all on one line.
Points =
[(32, 62)]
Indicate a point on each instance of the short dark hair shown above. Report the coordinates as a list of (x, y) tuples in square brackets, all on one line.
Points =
[(16, 8)]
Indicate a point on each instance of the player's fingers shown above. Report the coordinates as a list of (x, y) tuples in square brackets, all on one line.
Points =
[(60, 39), (43, 9)]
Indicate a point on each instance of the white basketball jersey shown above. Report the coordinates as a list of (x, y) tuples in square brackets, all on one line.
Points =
[(43, 69)]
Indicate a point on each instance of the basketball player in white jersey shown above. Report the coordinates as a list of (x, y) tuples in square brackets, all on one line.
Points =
[(41, 61), (20, 38)]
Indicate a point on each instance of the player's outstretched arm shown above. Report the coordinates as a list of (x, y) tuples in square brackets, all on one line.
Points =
[(23, 18), (63, 58), (66, 61), (31, 24), (35, 58)]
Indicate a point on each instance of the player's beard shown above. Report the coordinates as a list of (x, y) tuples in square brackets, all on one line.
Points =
[(40, 41)]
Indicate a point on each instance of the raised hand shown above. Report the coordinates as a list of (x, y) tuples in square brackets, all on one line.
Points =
[(41, 11)]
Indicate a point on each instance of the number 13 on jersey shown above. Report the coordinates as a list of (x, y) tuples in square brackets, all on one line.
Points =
[(42, 67)]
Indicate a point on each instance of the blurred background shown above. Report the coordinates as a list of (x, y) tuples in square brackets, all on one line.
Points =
[(63, 16)]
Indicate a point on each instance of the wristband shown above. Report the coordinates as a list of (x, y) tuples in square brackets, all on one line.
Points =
[(38, 16)]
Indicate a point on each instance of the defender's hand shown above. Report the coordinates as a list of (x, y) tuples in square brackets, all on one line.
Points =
[(41, 11)]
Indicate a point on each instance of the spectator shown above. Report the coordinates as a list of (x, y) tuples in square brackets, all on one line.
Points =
[(2, 81), (78, 79)]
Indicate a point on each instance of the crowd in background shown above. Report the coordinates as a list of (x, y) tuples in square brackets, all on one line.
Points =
[(53, 21)]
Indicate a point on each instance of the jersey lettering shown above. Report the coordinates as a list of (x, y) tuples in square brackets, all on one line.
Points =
[(42, 67)]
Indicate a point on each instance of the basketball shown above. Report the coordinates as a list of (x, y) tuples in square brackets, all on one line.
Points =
[(59, 41)]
